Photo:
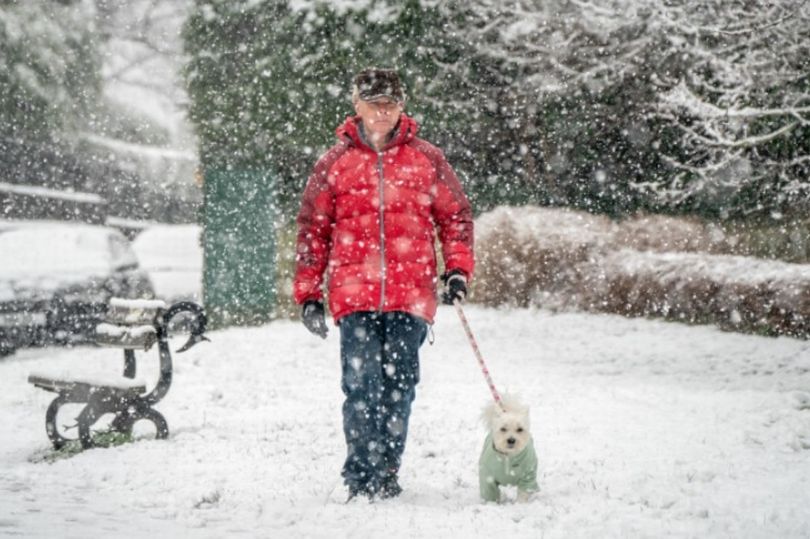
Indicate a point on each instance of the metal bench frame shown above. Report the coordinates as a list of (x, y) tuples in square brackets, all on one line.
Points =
[(129, 402)]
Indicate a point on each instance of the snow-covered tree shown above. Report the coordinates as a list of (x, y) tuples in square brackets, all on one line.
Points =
[(571, 84), (741, 104), (686, 105)]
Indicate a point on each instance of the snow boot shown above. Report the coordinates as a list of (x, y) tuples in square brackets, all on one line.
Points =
[(390, 487)]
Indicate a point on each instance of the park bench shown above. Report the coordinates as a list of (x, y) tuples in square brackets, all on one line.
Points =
[(131, 325)]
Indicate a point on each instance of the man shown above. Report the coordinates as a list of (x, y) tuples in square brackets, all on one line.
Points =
[(368, 218)]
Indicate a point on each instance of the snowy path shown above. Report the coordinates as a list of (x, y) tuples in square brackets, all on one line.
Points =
[(643, 429)]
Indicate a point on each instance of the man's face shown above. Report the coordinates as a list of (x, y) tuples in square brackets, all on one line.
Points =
[(379, 116)]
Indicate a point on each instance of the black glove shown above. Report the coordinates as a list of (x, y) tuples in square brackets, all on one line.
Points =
[(313, 318), (455, 287)]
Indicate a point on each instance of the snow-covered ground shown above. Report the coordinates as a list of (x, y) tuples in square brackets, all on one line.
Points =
[(643, 429)]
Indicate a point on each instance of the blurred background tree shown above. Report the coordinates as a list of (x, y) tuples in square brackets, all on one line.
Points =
[(89, 102), (49, 86)]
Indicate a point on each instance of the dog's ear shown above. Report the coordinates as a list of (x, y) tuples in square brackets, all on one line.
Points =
[(512, 403), (523, 412), (489, 414)]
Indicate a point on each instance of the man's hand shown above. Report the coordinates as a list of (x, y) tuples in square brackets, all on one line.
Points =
[(313, 318), (455, 287)]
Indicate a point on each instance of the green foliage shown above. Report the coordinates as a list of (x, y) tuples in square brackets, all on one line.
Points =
[(71, 448), (111, 438), (786, 239)]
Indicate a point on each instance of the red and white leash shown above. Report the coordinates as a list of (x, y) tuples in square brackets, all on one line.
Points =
[(479, 357)]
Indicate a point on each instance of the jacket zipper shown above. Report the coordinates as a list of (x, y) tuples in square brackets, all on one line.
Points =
[(382, 230)]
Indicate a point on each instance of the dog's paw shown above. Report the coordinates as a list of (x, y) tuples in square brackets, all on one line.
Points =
[(524, 496)]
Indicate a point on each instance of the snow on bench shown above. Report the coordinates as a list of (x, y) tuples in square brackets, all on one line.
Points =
[(64, 381), (147, 304), (134, 312), (125, 336)]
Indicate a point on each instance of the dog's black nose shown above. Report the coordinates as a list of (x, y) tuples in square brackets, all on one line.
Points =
[(511, 441)]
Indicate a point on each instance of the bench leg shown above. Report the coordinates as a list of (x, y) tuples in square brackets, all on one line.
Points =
[(87, 419), (123, 422), (58, 440), (157, 419)]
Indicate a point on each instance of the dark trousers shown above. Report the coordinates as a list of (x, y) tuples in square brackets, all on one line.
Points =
[(380, 363)]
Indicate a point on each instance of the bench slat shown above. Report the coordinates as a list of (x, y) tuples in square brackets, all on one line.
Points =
[(66, 383)]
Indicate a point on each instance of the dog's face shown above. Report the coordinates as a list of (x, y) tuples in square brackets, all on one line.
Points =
[(509, 427)]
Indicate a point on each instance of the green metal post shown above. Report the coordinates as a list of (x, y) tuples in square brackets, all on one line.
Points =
[(239, 242)]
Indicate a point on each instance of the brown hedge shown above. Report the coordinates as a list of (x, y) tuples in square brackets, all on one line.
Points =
[(559, 258)]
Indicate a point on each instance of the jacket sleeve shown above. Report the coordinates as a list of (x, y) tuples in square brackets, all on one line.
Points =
[(315, 222), (453, 215)]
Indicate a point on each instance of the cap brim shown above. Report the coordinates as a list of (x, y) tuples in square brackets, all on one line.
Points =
[(380, 97)]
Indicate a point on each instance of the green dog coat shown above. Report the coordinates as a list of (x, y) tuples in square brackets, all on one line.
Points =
[(496, 469)]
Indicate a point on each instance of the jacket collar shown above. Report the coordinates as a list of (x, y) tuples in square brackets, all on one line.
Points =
[(403, 132), (519, 457)]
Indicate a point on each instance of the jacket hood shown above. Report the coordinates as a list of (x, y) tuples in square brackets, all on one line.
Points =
[(404, 132)]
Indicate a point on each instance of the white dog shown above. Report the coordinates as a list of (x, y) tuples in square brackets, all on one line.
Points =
[(508, 457)]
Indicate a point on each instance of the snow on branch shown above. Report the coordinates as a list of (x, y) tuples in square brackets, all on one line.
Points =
[(681, 96)]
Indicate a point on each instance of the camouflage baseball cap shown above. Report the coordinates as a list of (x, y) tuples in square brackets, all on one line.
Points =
[(374, 83)]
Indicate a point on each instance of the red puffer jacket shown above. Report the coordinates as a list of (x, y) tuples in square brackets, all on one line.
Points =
[(369, 219)]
